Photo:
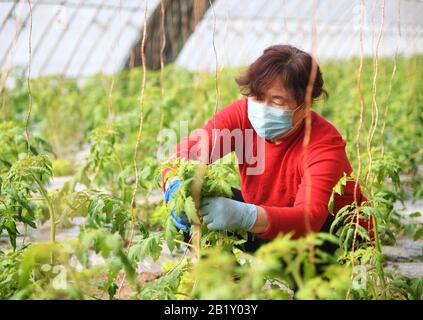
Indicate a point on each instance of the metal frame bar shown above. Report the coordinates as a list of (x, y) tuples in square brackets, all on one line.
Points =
[(94, 45), (16, 37), (82, 36), (76, 5), (8, 16), (128, 24), (61, 37), (44, 33)]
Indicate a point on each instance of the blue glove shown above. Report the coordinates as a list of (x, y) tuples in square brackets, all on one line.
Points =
[(225, 214), (181, 222)]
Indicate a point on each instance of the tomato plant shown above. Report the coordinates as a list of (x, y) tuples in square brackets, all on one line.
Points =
[(118, 236)]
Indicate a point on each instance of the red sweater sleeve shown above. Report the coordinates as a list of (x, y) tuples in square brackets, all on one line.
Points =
[(214, 140), (326, 163)]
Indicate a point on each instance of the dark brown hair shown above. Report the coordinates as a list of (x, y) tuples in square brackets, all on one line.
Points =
[(289, 64)]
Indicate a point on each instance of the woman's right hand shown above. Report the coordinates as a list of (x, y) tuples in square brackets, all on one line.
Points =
[(181, 222)]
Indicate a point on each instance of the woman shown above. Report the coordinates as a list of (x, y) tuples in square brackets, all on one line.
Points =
[(275, 200)]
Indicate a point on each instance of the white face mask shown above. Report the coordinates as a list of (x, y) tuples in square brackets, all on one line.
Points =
[(269, 122)]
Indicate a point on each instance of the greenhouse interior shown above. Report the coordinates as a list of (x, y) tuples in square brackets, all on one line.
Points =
[(199, 150)]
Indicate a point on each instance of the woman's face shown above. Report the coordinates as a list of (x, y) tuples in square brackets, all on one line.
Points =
[(278, 97)]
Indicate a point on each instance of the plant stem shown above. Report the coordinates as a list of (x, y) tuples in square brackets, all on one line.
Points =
[(184, 243), (196, 240), (378, 248), (50, 209), (196, 187)]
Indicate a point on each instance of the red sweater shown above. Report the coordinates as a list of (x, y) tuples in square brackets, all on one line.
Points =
[(281, 188)]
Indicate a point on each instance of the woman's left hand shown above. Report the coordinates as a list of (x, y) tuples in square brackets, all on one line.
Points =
[(221, 213)]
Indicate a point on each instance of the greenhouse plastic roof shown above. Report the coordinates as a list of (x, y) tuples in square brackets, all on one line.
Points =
[(75, 38), (245, 28), (79, 38)]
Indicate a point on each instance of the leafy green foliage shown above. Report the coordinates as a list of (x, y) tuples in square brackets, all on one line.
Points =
[(104, 211), (149, 246), (15, 146), (218, 180), (9, 279), (167, 287), (62, 167), (24, 177), (69, 114)]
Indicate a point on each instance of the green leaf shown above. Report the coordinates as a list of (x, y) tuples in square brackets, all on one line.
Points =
[(363, 232), (190, 210), (418, 234), (328, 237), (341, 218), (417, 289), (348, 239), (170, 234), (416, 214), (331, 202), (147, 247), (10, 226)]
